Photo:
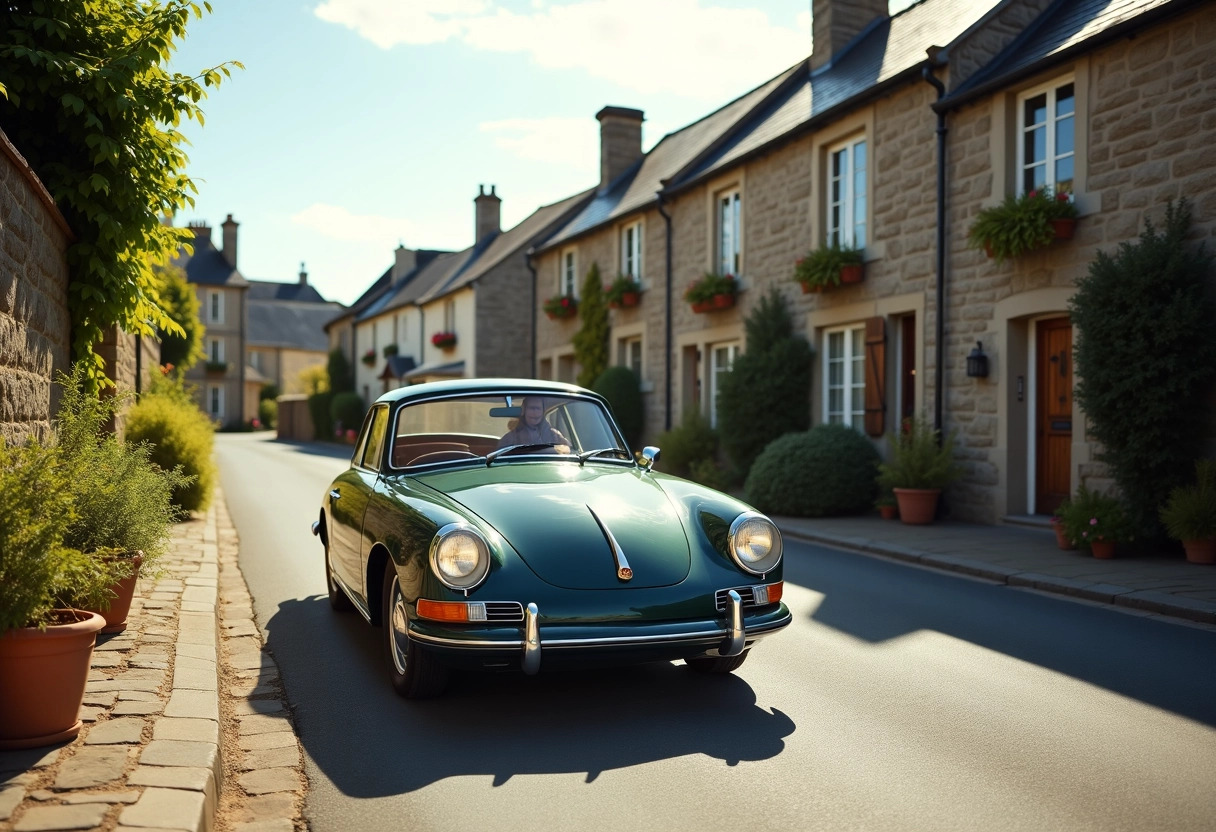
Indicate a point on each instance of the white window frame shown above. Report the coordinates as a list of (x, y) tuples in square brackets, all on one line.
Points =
[(215, 401), (847, 193), (215, 306), (255, 360), (567, 273), (215, 350), (1052, 157), (625, 347), (733, 348), (449, 316), (728, 231), (631, 250), (852, 361)]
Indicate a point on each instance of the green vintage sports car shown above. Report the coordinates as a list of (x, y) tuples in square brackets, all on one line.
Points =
[(503, 524)]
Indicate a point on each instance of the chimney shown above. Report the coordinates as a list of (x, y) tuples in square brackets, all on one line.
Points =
[(620, 141), (201, 230), (836, 22), (229, 250), (303, 275), (489, 208), (404, 261)]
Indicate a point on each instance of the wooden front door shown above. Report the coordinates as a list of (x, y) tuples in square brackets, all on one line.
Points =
[(1053, 428)]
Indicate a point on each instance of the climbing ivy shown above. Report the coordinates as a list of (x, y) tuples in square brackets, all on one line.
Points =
[(591, 340), (86, 97)]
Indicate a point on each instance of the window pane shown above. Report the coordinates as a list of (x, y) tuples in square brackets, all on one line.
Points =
[(1035, 110), (1064, 174), (1065, 101), (1064, 136)]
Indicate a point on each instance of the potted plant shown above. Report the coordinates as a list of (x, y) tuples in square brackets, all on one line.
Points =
[(1096, 520), (444, 340), (45, 645), (389, 350), (712, 291), (1057, 525), (829, 265), (1189, 515), (623, 292), (888, 508), (214, 368), (920, 467), (561, 306), (1023, 223), (369, 358)]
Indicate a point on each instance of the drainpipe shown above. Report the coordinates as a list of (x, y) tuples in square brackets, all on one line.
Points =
[(532, 309), (667, 345), (939, 375)]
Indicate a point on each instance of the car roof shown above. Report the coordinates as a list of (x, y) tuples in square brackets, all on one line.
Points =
[(485, 386)]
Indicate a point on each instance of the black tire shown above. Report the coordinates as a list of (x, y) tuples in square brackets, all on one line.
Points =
[(415, 674), (718, 664), (337, 598)]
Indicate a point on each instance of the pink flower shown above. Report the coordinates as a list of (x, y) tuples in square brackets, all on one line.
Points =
[(1084, 534), (1093, 521), (1032, 194)]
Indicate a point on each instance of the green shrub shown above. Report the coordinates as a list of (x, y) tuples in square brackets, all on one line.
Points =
[(180, 435), (268, 413), (591, 340), (826, 471), (341, 379), (319, 409), (918, 460), (268, 391), (767, 392), (620, 386), (1190, 512), (346, 411), (689, 442), (1093, 516), (1146, 362), (709, 473)]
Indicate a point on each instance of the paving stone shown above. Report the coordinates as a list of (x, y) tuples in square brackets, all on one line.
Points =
[(92, 766), (158, 639), (197, 651), (50, 818), (265, 807), (259, 742), (194, 778), (192, 730), (244, 690), (197, 664), (43, 795), (179, 753), (99, 686), (288, 755), (103, 700), (160, 665), (197, 704), (139, 696), (165, 808), (144, 708), (101, 797), (275, 825), (195, 678), (10, 799), (89, 713), (126, 729), (28, 758), (16, 778), (262, 724), (270, 780), (258, 706), (142, 674), (111, 659)]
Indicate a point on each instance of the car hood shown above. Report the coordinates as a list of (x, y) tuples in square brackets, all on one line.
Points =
[(548, 514)]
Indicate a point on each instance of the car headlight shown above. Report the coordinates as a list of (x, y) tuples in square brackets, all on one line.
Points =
[(460, 556), (755, 543)]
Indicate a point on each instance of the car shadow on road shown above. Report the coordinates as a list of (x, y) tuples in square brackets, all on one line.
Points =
[(371, 743), (1159, 663)]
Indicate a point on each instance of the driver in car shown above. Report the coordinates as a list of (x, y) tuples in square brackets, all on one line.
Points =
[(534, 429)]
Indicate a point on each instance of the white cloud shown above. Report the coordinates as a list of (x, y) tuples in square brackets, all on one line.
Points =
[(336, 222), (572, 142), (676, 46)]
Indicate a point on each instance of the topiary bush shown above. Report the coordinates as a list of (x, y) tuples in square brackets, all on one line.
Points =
[(180, 435), (692, 441), (767, 392), (347, 410), (268, 413), (318, 408), (591, 340), (1146, 362), (826, 471), (621, 387)]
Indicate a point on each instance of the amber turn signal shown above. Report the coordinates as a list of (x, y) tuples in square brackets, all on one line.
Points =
[(451, 610)]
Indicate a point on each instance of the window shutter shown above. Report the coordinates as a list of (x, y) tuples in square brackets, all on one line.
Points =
[(876, 375)]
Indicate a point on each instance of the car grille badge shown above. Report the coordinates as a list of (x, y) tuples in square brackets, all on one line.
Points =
[(624, 571)]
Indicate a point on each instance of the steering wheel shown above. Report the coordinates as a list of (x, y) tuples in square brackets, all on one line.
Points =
[(441, 456)]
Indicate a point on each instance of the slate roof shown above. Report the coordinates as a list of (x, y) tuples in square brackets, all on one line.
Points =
[(269, 290), (207, 266), (380, 289), (1064, 28), (438, 271), (290, 324), (638, 187), (885, 53)]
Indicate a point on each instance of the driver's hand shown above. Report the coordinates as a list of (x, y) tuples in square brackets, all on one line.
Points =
[(561, 449)]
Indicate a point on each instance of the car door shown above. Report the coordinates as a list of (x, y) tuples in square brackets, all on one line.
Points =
[(348, 499)]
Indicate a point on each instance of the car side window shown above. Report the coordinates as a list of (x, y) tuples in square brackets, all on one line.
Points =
[(375, 439)]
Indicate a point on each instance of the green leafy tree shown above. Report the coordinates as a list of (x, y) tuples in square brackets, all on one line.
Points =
[(767, 392), (621, 387), (591, 340), (86, 96), (341, 379), (1146, 361), (180, 302)]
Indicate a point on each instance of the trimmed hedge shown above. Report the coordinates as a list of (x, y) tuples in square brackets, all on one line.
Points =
[(347, 410), (690, 442), (620, 386), (826, 471), (180, 434), (322, 422)]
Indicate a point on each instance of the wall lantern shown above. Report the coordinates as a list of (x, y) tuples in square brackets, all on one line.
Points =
[(977, 362)]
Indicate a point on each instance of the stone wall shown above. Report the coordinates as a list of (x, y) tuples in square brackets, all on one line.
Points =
[(502, 334), (34, 322)]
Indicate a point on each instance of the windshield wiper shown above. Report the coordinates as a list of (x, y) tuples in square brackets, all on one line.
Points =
[(535, 446), (586, 455)]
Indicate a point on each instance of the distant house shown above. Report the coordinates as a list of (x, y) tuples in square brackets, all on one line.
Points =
[(257, 332)]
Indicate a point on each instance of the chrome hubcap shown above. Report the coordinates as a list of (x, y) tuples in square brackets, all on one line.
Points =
[(399, 636)]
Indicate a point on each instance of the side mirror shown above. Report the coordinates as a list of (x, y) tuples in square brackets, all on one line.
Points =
[(650, 455)]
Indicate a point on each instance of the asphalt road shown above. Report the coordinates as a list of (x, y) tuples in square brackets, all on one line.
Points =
[(900, 699)]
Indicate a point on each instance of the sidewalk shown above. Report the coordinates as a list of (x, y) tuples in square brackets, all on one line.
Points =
[(1025, 556), (162, 748)]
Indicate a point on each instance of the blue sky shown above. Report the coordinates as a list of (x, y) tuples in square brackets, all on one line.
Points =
[(360, 124)]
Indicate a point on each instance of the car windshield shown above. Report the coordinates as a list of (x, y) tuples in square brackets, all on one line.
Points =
[(501, 428)]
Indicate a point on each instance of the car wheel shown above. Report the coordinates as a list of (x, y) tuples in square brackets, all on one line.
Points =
[(718, 664), (337, 598), (415, 674)]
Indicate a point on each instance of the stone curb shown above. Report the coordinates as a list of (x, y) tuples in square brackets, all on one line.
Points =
[(1161, 603)]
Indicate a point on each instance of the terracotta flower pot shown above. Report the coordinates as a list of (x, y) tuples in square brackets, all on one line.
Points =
[(1102, 549), (851, 273), (42, 674), (811, 288), (723, 301), (1200, 551), (1064, 228), (917, 506), (1061, 536), (629, 299), (888, 512), (702, 306), (124, 591)]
